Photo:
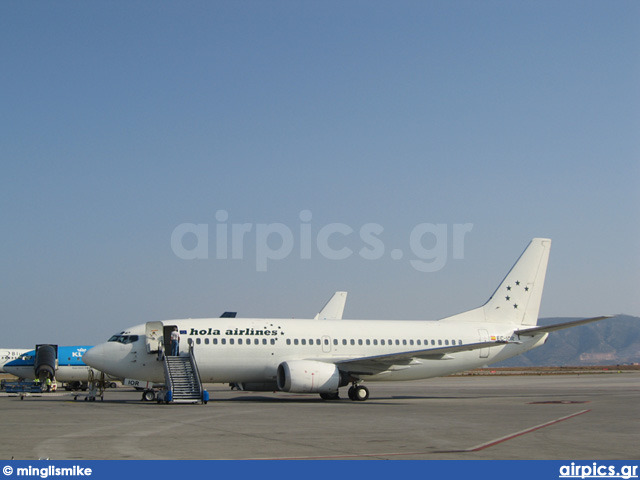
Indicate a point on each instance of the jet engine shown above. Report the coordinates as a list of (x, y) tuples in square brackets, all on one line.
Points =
[(309, 376)]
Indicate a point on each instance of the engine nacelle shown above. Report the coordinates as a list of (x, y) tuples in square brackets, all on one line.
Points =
[(309, 376)]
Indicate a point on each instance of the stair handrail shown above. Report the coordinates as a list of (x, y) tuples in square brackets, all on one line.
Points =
[(167, 374), (194, 365)]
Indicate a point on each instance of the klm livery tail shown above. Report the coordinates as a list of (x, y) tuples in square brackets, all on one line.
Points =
[(517, 299)]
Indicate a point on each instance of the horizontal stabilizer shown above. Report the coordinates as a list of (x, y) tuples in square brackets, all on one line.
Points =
[(559, 326)]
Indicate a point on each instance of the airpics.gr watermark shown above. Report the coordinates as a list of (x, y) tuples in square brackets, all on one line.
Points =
[(428, 242)]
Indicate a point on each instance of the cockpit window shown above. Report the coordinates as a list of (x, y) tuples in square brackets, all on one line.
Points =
[(124, 339)]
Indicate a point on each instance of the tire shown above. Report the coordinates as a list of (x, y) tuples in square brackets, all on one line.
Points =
[(361, 393), (149, 396), (352, 393), (330, 396)]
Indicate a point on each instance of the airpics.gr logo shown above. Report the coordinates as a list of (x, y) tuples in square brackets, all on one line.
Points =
[(598, 471), (428, 244)]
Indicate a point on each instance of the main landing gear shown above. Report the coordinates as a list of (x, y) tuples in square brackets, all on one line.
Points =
[(358, 393)]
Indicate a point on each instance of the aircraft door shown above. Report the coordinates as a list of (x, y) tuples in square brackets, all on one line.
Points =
[(153, 333), (326, 344), (484, 337), (167, 339)]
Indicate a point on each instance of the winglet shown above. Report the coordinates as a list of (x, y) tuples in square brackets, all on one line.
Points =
[(334, 308)]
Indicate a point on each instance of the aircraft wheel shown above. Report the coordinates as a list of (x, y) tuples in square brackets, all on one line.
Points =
[(330, 396), (361, 393), (352, 393), (148, 396)]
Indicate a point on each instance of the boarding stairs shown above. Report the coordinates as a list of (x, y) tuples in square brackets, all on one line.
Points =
[(182, 378)]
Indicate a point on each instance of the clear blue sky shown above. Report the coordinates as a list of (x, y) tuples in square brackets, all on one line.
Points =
[(123, 120)]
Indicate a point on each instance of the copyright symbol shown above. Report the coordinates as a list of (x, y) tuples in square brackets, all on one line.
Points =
[(8, 470)]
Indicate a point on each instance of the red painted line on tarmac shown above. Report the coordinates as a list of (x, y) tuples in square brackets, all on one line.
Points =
[(482, 446)]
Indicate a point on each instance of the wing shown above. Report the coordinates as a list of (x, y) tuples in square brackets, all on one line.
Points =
[(558, 326), (402, 360)]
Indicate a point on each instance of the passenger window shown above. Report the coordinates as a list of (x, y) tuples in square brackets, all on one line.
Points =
[(381, 342), (318, 342), (446, 342), (359, 341), (433, 342), (206, 341), (410, 342), (295, 341), (375, 341), (439, 342), (303, 341), (344, 341), (404, 342), (335, 342), (223, 341), (353, 342), (215, 341), (288, 341), (197, 341), (368, 342), (418, 342), (239, 341), (459, 342), (231, 341), (264, 341), (273, 341)]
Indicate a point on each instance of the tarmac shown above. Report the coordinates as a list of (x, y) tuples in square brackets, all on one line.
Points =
[(575, 417)]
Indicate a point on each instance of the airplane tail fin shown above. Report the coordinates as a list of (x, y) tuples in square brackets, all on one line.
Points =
[(517, 299), (334, 308)]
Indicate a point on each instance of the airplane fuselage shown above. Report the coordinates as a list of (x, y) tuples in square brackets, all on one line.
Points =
[(250, 350), (9, 354)]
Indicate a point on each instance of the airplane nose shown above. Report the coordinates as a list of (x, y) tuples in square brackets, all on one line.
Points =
[(94, 357)]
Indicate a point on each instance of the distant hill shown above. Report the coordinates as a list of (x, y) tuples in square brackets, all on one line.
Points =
[(614, 341)]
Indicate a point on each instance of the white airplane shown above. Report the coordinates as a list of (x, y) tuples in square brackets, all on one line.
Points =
[(9, 354), (320, 356)]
